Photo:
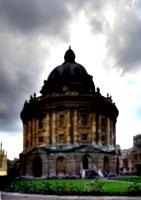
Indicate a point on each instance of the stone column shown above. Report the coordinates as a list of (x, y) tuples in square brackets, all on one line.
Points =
[(68, 128), (71, 133), (93, 128), (24, 136), (47, 128), (28, 134), (75, 137), (33, 132), (114, 134), (99, 130), (108, 132), (36, 132), (53, 127)]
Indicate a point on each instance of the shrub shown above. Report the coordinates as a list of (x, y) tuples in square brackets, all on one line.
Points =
[(93, 187), (134, 189), (66, 189)]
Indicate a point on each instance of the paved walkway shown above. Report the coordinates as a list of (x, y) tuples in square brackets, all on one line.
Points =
[(17, 196)]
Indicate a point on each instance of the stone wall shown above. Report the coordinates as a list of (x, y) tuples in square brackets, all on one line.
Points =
[(67, 164)]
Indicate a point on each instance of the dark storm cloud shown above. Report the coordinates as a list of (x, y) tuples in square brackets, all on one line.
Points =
[(20, 69), (28, 16), (123, 38), (124, 43), (23, 24)]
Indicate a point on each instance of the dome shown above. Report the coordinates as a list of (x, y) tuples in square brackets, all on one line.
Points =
[(70, 75)]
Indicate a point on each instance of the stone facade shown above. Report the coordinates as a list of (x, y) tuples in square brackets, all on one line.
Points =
[(126, 165), (130, 159), (70, 127), (3, 162), (67, 162), (137, 154)]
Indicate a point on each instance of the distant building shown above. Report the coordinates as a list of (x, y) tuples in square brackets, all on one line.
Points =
[(3, 162), (126, 165), (137, 154), (130, 159), (71, 128)]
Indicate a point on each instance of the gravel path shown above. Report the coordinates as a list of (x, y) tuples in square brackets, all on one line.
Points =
[(16, 196)]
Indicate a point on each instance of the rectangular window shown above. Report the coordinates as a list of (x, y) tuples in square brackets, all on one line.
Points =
[(61, 138), (61, 120), (41, 139), (84, 119), (125, 163), (41, 123), (103, 138), (84, 137), (121, 169)]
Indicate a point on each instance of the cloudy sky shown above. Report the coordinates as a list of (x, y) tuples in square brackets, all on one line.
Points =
[(106, 38)]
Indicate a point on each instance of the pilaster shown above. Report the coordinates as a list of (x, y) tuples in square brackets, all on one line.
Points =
[(36, 131), (108, 132), (53, 127), (24, 136), (93, 130), (47, 128), (75, 127), (33, 132), (99, 130), (68, 127)]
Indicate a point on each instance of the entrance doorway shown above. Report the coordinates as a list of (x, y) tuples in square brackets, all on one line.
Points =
[(85, 162), (37, 166), (106, 164)]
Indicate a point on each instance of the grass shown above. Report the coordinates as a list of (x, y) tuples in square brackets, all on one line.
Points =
[(136, 179), (114, 187), (72, 186)]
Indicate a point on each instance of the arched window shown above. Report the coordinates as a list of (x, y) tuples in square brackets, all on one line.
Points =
[(61, 120), (41, 122), (84, 119), (37, 166), (103, 130), (103, 124)]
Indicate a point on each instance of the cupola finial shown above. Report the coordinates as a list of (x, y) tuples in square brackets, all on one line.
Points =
[(69, 55)]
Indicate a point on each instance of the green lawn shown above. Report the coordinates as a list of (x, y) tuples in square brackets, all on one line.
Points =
[(136, 179), (71, 186)]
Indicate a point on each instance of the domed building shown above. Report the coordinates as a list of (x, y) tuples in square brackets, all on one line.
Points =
[(70, 128)]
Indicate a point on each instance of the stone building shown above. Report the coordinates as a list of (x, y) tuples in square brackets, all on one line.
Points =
[(126, 165), (130, 159), (70, 128), (137, 154), (3, 162)]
